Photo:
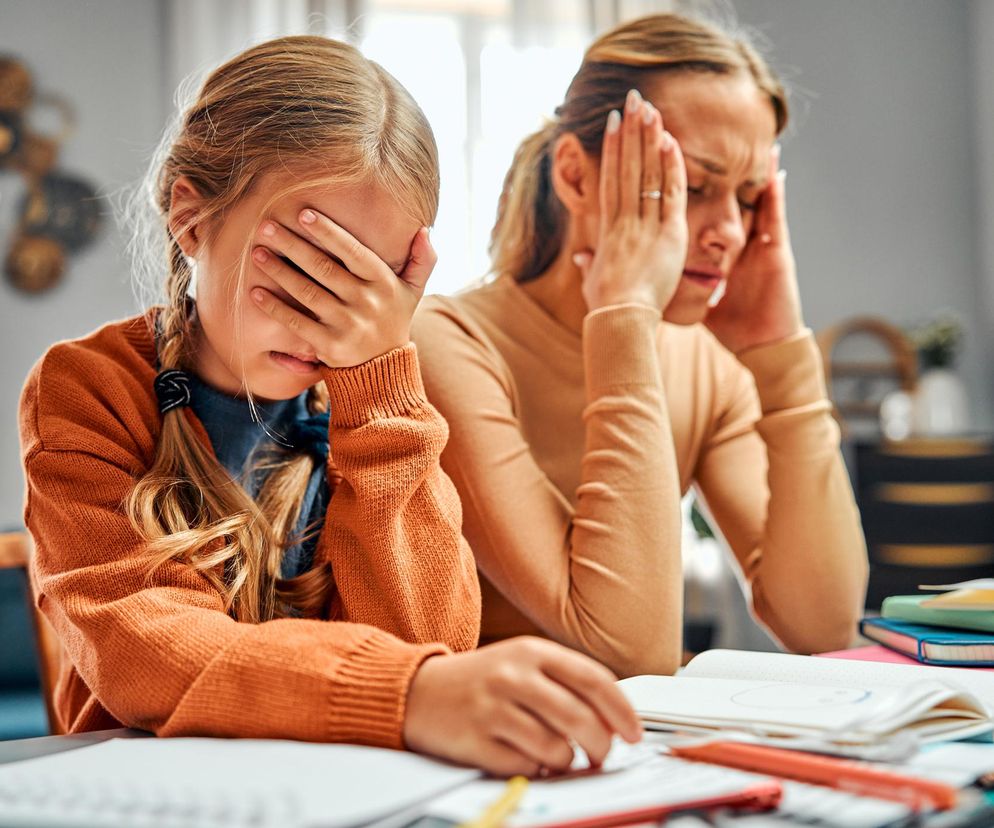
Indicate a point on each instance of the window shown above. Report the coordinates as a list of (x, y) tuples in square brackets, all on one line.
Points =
[(486, 73)]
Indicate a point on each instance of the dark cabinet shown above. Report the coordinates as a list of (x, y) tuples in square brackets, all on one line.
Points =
[(927, 507)]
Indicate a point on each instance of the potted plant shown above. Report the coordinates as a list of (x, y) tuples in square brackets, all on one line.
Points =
[(941, 405)]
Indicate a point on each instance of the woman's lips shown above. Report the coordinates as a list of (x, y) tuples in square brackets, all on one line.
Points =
[(704, 278), (295, 364)]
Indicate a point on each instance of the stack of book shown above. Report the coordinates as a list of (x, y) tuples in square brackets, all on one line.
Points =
[(955, 628)]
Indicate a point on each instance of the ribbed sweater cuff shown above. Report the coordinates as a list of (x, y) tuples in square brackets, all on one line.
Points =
[(388, 386), (619, 347), (370, 690), (789, 374)]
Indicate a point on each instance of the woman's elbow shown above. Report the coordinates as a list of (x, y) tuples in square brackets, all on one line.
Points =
[(639, 659)]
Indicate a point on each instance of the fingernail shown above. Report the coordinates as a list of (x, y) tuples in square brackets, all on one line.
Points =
[(257, 295), (578, 259), (260, 255), (269, 229), (308, 217), (633, 100), (613, 121), (782, 175), (647, 113), (667, 142)]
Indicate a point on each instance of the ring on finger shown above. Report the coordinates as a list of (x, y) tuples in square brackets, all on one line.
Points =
[(655, 195)]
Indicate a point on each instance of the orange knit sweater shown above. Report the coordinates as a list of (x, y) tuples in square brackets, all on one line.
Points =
[(162, 654)]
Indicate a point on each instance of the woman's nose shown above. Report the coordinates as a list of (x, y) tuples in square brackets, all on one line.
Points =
[(723, 232)]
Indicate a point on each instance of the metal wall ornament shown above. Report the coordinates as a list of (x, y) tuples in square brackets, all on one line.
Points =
[(59, 213)]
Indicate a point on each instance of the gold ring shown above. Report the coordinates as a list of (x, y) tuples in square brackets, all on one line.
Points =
[(653, 194)]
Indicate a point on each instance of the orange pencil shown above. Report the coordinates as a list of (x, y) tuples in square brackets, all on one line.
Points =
[(824, 770)]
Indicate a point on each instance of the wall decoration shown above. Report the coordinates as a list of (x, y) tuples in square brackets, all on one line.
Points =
[(59, 213)]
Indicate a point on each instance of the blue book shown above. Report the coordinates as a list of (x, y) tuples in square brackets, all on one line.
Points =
[(931, 645)]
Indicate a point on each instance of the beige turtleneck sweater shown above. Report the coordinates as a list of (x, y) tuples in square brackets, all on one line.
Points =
[(571, 453)]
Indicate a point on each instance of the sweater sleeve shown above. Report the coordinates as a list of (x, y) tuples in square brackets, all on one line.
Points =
[(603, 577), (394, 525), (772, 476), (158, 650)]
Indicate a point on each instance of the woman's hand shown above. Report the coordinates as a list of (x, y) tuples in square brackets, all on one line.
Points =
[(359, 308), (761, 303), (642, 243), (516, 707)]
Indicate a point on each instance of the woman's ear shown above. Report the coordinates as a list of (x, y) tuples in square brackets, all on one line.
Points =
[(574, 175), (185, 204)]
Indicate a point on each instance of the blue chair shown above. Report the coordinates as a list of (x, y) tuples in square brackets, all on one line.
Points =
[(28, 648)]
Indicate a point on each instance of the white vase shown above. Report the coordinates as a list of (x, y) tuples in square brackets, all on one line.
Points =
[(941, 404)]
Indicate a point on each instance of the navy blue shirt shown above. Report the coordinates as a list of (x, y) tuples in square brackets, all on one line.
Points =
[(235, 436)]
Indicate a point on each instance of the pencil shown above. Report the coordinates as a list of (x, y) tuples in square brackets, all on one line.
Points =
[(502, 807), (825, 770)]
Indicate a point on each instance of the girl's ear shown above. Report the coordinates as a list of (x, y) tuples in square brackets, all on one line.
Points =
[(185, 205), (574, 176)]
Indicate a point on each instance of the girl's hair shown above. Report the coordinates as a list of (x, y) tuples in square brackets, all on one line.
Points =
[(531, 221), (327, 116)]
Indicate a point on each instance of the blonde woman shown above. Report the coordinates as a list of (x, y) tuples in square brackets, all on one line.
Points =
[(592, 382), (210, 567)]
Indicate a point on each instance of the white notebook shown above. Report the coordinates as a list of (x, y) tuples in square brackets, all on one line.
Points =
[(797, 697), (219, 782)]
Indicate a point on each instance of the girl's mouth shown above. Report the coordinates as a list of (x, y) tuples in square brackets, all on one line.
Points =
[(295, 364)]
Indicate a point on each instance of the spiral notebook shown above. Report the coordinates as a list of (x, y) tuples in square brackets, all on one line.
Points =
[(168, 783)]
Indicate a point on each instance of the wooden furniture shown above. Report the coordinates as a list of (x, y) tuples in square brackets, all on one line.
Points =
[(927, 507), (869, 379), (15, 553)]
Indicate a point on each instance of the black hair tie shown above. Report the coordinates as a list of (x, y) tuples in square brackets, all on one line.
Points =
[(311, 435), (172, 387)]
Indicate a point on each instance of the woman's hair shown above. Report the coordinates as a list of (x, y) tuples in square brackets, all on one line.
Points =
[(327, 116), (531, 221)]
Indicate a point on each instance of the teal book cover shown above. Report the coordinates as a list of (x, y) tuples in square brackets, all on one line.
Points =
[(909, 608)]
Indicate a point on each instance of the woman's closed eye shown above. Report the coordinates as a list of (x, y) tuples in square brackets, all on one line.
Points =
[(747, 204)]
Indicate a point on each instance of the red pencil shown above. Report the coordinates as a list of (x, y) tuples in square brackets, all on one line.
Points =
[(824, 770)]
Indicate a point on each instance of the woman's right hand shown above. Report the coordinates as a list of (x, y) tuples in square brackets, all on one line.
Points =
[(642, 243), (516, 707)]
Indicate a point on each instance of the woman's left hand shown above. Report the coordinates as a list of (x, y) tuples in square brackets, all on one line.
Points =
[(761, 304)]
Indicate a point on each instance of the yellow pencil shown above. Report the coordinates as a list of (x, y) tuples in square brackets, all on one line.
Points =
[(502, 807)]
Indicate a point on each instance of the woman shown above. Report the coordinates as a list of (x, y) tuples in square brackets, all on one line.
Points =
[(578, 418)]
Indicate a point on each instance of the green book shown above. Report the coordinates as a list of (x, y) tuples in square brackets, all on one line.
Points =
[(909, 608)]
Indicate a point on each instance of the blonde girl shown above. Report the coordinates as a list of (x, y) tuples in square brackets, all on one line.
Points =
[(241, 525), (593, 382)]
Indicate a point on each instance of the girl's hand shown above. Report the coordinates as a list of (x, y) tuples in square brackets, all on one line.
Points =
[(515, 707), (359, 308), (761, 303), (642, 243)]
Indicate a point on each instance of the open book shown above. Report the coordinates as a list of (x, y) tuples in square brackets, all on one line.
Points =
[(825, 701)]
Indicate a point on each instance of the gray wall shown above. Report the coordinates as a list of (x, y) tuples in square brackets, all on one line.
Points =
[(891, 198), (105, 57), (982, 88), (882, 159)]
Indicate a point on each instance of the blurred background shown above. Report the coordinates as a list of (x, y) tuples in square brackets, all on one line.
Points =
[(890, 199)]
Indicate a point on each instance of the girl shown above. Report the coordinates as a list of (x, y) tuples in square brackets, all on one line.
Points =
[(210, 567), (578, 417)]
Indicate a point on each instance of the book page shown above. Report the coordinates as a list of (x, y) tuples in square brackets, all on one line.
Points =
[(662, 782), (834, 672), (858, 715)]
